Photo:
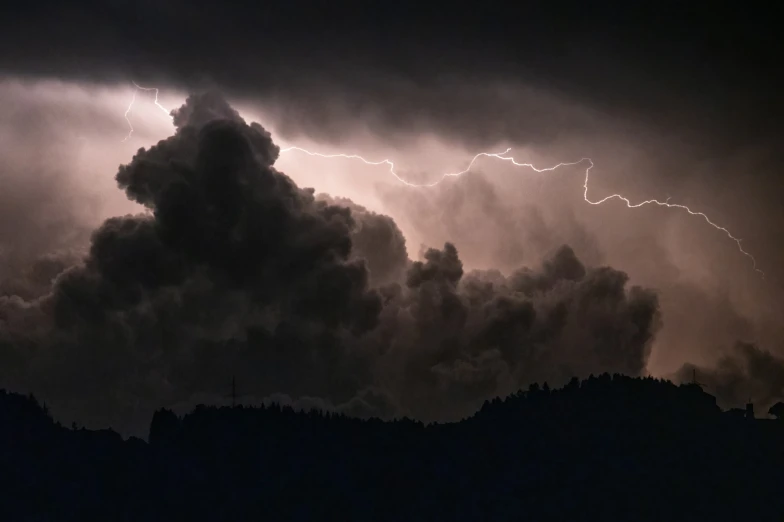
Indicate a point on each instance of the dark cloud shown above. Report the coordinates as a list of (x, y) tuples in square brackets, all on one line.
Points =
[(377, 240), (35, 279), (745, 373), (501, 217), (475, 73), (236, 271), (248, 275), (231, 245), (453, 339)]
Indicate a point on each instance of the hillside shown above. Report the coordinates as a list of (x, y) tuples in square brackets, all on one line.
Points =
[(609, 447)]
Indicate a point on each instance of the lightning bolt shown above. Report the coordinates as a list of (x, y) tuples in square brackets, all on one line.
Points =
[(503, 156), (136, 89)]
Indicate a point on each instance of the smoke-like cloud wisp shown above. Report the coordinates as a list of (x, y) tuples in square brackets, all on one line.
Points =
[(505, 157)]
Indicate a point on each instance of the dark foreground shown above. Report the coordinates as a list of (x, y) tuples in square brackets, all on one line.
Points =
[(604, 449)]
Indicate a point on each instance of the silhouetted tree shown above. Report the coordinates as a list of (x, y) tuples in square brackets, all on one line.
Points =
[(163, 427), (777, 410)]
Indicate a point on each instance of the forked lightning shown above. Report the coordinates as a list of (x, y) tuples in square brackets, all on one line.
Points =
[(503, 156), (136, 89)]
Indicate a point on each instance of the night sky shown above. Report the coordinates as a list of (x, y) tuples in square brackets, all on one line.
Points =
[(147, 271)]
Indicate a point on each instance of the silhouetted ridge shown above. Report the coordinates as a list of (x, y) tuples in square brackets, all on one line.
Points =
[(617, 397), (608, 447)]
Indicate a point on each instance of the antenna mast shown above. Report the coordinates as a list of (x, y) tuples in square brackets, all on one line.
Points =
[(694, 378)]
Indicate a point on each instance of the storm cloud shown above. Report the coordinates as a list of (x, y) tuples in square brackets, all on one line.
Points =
[(235, 271), (477, 74)]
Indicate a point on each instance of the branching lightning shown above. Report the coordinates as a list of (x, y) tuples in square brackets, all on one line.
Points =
[(138, 88), (503, 156)]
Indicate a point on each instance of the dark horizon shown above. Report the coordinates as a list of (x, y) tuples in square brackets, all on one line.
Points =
[(235, 399), (608, 447)]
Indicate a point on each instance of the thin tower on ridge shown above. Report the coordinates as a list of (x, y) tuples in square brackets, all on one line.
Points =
[(694, 378)]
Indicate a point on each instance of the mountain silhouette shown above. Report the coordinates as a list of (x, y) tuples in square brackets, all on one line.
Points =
[(605, 448)]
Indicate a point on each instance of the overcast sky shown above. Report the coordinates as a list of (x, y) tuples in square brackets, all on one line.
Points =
[(679, 103)]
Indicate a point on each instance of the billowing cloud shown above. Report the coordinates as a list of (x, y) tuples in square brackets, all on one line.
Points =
[(236, 271), (166, 306), (377, 240)]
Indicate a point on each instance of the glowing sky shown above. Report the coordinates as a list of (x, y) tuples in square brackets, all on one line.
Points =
[(91, 119)]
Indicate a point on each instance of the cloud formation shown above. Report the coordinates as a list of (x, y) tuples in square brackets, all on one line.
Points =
[(745, 373), (473, 73), (236, 271), (36, 213)]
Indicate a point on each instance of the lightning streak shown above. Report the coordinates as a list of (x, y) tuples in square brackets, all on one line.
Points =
[(503, 156), (138, 88)]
